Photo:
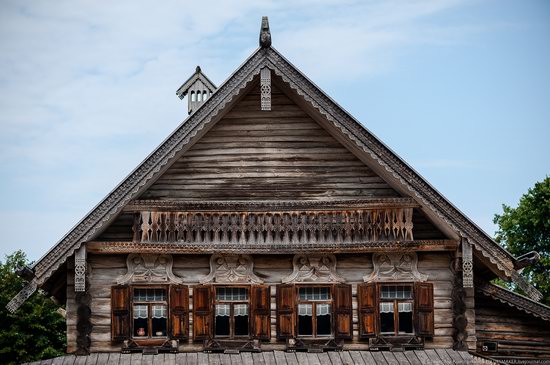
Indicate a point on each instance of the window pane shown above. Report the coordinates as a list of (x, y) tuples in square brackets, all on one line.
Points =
[(241, 319), (140, 321), (386, 318), (405, 317), (229, 294), (396, 292), (149, 295), (324, 319), (314, 293), (305, 319), (159, 320), (222, 319)]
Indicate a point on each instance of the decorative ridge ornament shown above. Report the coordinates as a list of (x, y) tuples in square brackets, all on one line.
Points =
[(265, 34)]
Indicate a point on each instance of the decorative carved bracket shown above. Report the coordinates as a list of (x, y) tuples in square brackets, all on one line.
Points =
[(265, 89), (395, 266), (231, 269), (148, 268), (23, 295), (80, 269), (315, 268), (467, 265)]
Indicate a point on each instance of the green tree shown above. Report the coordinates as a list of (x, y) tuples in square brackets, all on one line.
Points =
[(36, 330), (527, 228)]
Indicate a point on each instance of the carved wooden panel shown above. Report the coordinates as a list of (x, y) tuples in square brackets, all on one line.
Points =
[(314, 268), (149, 268), (231, 269), (400, 266), (80, 269), (467, 265)]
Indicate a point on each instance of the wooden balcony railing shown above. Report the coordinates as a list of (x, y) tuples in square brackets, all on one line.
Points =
[(275, 228)]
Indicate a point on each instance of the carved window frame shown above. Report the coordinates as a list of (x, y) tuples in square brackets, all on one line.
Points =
[(396, 302), (215, 302), (313, 303), (150, 340)]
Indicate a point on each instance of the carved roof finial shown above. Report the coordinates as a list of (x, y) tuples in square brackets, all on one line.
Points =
[(265, 34)]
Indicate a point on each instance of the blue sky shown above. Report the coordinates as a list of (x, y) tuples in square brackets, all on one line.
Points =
[(459, 89)]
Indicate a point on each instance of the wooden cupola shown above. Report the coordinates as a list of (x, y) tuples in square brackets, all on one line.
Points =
[(199, 88)]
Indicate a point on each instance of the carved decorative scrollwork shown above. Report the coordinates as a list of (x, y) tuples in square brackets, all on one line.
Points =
[(395, 266), (314, 268), (265, 89), (80, 269), (231, 269), (149, 268), (467, 265)]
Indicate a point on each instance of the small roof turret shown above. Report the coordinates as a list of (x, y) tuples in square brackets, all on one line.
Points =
[(199, 87)]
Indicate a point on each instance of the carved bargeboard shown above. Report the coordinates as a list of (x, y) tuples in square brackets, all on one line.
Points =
[(396, 267), (148, 268), (320, 268), (231, 269)]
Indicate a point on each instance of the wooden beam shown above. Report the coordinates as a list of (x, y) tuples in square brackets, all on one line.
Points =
[(124, 247)]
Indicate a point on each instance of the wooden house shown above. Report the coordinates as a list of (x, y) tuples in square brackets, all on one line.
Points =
[(272, 220)]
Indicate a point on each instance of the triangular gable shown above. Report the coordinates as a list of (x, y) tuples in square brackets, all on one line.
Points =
[(281, 155), (155, 164)]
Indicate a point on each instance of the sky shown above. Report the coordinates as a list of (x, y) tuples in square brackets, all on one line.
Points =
[(459, 89)]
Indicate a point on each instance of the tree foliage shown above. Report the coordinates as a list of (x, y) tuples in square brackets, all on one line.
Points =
[(527, 228), (36, 330)]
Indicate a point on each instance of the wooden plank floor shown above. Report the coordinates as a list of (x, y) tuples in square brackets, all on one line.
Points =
[(424, 357)]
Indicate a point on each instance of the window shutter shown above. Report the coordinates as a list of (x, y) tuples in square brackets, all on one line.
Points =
[(286, 302), (261, 312), (202, 312), (120, 313), (342, 311), (424, 308), (367, 300), (179, 312)]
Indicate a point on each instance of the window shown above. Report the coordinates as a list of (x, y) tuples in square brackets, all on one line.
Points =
[(231, 312), (391, 310), (150, 313), (314, 311), (396, 310)]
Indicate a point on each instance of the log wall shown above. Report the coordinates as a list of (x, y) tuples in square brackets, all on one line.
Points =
[(105, 269), (256, 155), (516, 333)]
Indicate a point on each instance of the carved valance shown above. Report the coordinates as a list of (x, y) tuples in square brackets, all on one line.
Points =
[(275, 228), (149, 268), (314, 268), (231, 269), (395, 266)]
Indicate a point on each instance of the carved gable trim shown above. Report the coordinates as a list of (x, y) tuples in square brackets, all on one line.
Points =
[(314, 268), (148, 268), (395, 267), (231, 269)]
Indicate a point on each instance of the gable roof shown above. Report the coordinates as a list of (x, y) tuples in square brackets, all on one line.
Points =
[(198, 75), (210, 112)]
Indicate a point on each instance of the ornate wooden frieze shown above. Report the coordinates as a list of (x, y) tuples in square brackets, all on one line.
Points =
[(227, 268), (149, 268), (80, 269), (297, 228), (467, 265), (265, 89), (397, 266), (314, 268)]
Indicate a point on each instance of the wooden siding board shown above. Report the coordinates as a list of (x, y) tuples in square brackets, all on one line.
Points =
[(357, 358), (412, 358), (253, 155)]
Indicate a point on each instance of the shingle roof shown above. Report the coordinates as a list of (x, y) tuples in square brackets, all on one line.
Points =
[(416, 357)]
